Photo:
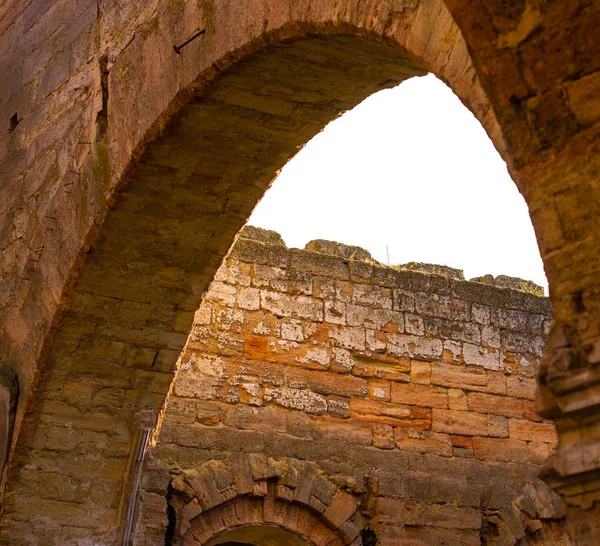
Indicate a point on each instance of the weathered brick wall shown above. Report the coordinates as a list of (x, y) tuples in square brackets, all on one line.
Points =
[(90, 84), (412, 391)]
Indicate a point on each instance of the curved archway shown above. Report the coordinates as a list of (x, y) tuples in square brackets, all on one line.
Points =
[(250, 500), (114, 352)]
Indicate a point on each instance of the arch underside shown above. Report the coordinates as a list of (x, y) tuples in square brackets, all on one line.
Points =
[(115, 352)]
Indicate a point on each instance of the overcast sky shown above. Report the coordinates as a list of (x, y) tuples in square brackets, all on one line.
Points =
[(410, 168)]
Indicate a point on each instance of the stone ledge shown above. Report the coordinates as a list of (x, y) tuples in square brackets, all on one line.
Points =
[(339, 250), (436, 269), (514, 283), (263, 235)]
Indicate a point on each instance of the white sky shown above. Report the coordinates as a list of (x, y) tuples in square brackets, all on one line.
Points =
[(410, 168)]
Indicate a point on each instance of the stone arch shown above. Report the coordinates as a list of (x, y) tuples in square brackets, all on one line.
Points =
[(249, 490), (123, 325), (223, 135)]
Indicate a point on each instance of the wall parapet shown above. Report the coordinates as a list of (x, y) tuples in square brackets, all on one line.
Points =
[(502, 290)]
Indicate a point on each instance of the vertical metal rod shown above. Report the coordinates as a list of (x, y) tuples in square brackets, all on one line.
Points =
[(140, 453)]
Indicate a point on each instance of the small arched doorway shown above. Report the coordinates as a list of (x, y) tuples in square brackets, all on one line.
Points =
[(259, 535)]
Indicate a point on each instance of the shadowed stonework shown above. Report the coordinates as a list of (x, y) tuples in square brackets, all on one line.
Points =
[(127, 170)]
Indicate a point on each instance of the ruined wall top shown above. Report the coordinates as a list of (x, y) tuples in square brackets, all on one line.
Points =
[(349, 262)]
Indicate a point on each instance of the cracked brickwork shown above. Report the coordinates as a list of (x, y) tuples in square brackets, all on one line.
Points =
[(419, 383)]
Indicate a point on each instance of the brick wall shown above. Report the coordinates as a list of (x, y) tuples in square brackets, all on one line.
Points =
[(413, 389)]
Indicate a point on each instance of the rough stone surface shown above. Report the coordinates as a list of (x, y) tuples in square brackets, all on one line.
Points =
[(354, 420), (128, 169)]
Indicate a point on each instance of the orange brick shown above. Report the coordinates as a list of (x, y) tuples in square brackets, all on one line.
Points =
[(341, 508), (469, 424), (420, 372), (448, 356), (496, 405), (252, 394), (316, 332), (390, 328), (420, 418), (529, 411), (417, 412), (505, 450), (457, 400), (333, 430), (421, 395), (383, 367), (520, 387), (255, 347), (465, 442), (423, 442), (520, 429), (339, 384), (338, 406), (496, 382), (379, 389), (373, 411), (383, 436), (461, 377), (539, 452)]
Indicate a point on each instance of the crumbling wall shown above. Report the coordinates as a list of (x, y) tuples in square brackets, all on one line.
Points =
[(89, 84), (410, 390)]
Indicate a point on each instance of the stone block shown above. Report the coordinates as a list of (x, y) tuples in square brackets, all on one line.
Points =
[(420, 395), (583, 98), (385, 413), (348, 338), (342, 432), (414, 346), (469, 424), (503, 450), (485, 357), (520, 429), (457, 400), (521, 387), (423, 442), (496, 405), (341, 509), (248, 299), (379, 389), (299, 399), (338, 407), (461, 377), (337, 384), (383, 436)]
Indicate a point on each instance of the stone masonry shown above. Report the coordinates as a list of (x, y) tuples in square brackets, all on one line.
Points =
[(128, 168), (407, 391)]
